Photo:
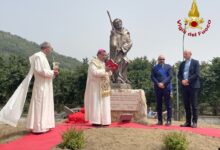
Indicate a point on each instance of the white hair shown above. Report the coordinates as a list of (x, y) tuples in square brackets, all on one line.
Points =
[(45, 45)]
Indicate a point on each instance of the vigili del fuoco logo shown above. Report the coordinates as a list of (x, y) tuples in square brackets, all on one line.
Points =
[(193, 22)]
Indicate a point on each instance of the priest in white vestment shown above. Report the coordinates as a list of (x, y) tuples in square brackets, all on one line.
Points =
[(41, 110), (97, 94)]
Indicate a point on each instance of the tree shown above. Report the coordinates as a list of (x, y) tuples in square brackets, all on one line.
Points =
[(139, 72), (210, 85), (215, 85), (12, 72), (69, 86)]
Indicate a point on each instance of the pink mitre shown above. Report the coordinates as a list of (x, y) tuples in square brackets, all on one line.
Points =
[(101, 50)]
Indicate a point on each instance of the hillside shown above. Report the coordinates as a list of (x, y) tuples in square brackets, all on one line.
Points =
[(14, 45)]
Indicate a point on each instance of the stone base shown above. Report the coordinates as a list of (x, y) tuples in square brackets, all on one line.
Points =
[(128, 102), (120, 86)]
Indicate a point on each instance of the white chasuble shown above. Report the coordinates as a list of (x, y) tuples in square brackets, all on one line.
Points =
[(97, 94)]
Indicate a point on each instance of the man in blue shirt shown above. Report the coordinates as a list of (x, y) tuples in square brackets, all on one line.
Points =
[(161, 76), (188, 75)]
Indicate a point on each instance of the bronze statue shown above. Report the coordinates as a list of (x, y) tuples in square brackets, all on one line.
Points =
[(120, 44)]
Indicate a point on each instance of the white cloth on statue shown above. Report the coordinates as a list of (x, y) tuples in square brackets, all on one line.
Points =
[(41, 110), (97, 107), (11, 112)]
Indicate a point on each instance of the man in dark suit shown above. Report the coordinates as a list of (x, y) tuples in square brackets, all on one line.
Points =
[(188, 75), (161, 76)]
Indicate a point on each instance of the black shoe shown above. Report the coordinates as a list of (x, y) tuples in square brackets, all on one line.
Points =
[(96, 125), (194, 125), (159, 123), (168, 123), (186, 124)]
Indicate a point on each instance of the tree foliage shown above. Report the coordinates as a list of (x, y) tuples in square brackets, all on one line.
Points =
[(12, 72), (139, 73), (69, 86), (210, 92)]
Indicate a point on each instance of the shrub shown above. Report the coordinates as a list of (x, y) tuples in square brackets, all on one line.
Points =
[(72, 139), (175, 141)]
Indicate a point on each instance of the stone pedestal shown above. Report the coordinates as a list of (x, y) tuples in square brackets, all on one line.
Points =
[(128, 102), (120, 86)]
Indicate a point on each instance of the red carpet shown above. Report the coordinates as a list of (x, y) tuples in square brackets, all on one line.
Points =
[(39, 141), (51, 139)]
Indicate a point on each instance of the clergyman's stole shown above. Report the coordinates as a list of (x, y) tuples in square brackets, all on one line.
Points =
[(105, 88)]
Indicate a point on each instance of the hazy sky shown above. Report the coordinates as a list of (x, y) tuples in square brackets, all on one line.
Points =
[(77, 28)]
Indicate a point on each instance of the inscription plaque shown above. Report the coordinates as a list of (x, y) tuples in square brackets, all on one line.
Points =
[(125, 101)]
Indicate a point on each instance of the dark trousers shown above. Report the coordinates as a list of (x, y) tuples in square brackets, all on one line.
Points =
[(160, 94), (190, 100)]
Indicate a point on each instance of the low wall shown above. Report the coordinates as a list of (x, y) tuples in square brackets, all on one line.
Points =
[(209, 119)]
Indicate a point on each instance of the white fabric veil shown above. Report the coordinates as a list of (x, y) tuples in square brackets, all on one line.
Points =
[(11, 112)]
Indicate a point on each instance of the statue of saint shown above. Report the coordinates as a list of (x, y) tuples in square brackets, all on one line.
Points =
[(120, 44)]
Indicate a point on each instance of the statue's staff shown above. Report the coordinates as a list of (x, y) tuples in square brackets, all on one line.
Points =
[(113, 28)]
